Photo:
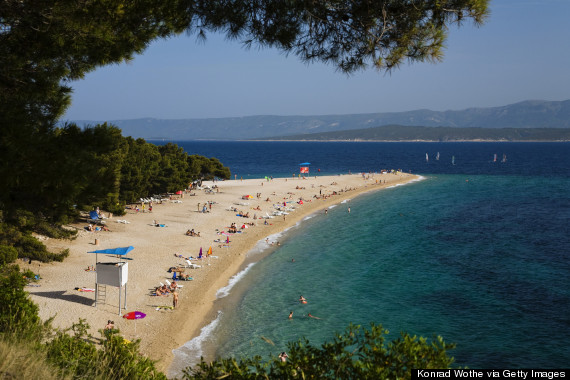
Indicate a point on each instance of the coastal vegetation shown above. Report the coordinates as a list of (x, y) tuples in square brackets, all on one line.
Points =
[(75, 170), (32, 348), (50, 173), (439, 134)]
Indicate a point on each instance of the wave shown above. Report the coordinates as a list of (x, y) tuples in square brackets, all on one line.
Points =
[(420, 178), (223, 292), (191, 352)]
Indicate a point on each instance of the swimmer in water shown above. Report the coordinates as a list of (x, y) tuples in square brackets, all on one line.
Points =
[(312, 316), (291, 315), (302, 299), (283, 356)]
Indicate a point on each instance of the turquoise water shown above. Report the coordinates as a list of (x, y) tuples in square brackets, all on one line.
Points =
[(480, 259), (455, 256)]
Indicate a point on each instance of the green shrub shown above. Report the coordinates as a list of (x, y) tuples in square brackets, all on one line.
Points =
[(18, 314), (357, 354), (7, 254), (53, 231), (78, 356)]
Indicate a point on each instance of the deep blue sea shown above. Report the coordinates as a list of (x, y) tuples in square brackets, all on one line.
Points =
[(477, 252)]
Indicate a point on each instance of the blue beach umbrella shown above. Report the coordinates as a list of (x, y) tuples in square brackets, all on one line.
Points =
[(121, 251)]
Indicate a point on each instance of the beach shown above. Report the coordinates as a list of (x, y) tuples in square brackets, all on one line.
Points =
[(156, 249)]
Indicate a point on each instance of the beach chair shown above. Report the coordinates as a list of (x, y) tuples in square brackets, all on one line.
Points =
[(167, 283), (192, 265)]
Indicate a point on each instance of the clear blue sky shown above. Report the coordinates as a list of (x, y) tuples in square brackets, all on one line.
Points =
[(522, 52)]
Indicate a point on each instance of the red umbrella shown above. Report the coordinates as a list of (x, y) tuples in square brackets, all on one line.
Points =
[(135, 315)]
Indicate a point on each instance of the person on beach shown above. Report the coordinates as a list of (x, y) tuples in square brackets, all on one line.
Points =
[(175, 299), (283, 356), (110, 325), (291, 315)]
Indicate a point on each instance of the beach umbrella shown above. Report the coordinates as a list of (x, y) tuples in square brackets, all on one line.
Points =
[(210, 251), (200, 255), (135, 315), (121, 251)]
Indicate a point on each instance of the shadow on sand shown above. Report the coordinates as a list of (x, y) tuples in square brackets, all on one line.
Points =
[(66, 297)]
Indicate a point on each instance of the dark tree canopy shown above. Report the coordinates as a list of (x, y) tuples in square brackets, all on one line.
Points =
[(45, 45), (348, 34)]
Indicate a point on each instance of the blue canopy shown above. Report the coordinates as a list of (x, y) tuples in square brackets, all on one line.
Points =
[(115, 251), (305, 164), (93, 214)]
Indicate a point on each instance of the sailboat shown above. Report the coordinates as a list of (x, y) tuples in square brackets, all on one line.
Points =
[(452, 160), (504, 158), (495, 157), (427, 158), (437, 157)]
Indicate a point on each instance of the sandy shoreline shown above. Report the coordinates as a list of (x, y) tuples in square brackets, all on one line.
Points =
[(155, 248)]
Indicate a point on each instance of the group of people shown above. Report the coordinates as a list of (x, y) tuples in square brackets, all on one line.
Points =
[(232, 229), (165, 290), (192, 233), (94, 228)]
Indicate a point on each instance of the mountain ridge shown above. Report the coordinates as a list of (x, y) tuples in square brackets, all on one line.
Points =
[(401, 133), (525, 114)]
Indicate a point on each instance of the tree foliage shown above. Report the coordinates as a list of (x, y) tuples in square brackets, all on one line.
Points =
[(46, 45), (357, 354), (348, 34), (18, 314)]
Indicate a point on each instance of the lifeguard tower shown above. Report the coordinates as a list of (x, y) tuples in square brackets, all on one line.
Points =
[(111, 273)]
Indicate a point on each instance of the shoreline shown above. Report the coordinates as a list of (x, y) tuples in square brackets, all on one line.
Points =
[(163, 331)]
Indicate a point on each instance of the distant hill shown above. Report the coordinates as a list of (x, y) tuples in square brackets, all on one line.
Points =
[(408, 133), (528, 114)]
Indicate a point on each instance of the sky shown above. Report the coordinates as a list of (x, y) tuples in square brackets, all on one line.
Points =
[(522, 52)]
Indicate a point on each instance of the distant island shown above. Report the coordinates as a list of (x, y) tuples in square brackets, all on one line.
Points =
[(532, 114), (433, 134)]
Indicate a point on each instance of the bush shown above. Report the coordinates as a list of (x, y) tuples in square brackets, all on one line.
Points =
[(118, 359), (54, 232), (7, 254), (18, 314), (357, 354)]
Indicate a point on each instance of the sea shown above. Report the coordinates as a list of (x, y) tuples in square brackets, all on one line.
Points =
[(477, 252)]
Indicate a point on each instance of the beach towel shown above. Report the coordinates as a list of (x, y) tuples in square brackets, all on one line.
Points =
[(85, 289)]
